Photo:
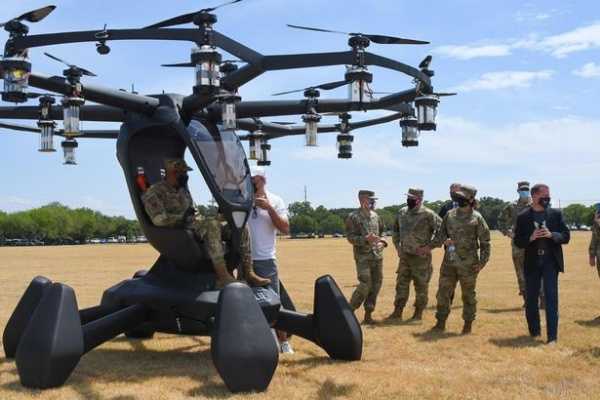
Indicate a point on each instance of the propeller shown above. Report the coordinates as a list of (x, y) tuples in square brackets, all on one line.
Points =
[(189, 64), (425, 63), (22, 128), (74, 67), (187, 18), (32, 95), (33, 16), (325, 86), (445, 94), (381, 39)]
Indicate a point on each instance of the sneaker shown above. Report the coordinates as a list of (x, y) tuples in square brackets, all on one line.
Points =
[(286, 348)]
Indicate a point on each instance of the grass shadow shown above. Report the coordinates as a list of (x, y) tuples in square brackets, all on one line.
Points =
[(434, 336), (517, 342), (330, 390), (592, 352), (503, 310), (591, 323)]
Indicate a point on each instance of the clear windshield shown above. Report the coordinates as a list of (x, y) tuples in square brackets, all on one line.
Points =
[(224, 156)]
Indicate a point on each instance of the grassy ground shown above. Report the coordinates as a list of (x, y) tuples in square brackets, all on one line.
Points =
[(399, 360)]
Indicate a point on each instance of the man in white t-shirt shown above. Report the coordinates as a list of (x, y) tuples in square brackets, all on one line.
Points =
[(268, 217)]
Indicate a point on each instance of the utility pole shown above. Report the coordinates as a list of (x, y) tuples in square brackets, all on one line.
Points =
[(305, 194)]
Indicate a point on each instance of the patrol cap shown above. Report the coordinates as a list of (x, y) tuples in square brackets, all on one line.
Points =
[(176, 164), (415, 193), (369, 193), (524, 185), (466, 191)]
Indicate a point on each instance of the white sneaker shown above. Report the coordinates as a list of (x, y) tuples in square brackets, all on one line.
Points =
[(286, 347)]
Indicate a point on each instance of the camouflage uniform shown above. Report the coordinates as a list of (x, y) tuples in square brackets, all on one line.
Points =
[(594, 249), (470, 233), (414, 228), (369, 259), (506, 224)]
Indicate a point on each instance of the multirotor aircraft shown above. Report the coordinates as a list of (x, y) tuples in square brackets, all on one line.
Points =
[(48, 334)]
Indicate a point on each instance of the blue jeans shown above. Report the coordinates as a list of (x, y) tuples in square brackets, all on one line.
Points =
[(534, 275), (268, 269)]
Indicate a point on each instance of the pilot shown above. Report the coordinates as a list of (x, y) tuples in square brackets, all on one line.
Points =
[(169, 204)]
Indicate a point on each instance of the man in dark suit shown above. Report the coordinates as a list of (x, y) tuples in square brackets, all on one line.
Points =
[(541, 231), (452, 203)]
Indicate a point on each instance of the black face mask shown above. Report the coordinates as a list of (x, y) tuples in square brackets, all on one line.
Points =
[(411, 203), (182, 180), (462, 202), (454, 196), (544, 202)]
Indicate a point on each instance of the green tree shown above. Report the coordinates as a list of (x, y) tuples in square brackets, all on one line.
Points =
[(332, 224), (578, 214), (302, 224), (490, 208), (300, 208)]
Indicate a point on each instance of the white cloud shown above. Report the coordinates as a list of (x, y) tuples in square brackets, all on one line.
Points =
[(470, 52), (589, 70), (504, 80), (561, 45)]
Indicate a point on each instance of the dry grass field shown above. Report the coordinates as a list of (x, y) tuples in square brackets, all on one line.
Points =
[(400, 361)]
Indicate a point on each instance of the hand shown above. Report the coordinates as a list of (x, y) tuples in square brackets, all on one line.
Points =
[(592, 261), (262, 202), (477, 267), (545, 233), (381, 245), (537, 234), (372, 238)]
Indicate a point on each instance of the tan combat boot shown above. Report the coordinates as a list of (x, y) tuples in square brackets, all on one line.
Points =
[(253, 279), (223, 275), (418, 315), (396, 314), (368, 318), (467, 327), (440, 326)]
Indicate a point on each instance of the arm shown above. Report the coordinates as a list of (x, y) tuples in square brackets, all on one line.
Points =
[(279, 221), (354, 235), (157, 212), (563, 236), (483, 235), (441, 235), (521, 236), (595, 242), (396, 233)]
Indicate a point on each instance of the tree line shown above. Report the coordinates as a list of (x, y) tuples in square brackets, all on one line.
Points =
[(305, 219), (56, 223)]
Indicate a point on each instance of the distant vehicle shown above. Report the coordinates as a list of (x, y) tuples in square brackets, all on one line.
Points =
[(337, 235), (95, 241), (321, 235), (122, 239), (141, 239)]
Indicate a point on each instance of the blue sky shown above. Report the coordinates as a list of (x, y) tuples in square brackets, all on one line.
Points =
[(528, 74)]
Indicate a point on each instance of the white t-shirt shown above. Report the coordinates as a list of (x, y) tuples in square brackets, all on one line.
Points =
[(263, 234)]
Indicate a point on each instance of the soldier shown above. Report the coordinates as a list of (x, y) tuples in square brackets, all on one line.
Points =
[(595, 242), (463, 231), (415, 227), (363, 230), (169, 204), (450, 204), (506, 224)]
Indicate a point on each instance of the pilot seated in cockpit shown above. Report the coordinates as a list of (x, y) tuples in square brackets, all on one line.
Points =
[(169, 204)]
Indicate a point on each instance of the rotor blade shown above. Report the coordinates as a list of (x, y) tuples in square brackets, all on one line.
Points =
[(425, 63), (85, 71), (384, 39), (186, 64), (332, 85), (37, 15), (445, 94), (219, 6), (182, 19), (57, 59), (315, 29), (282, 123), (17, 127), (288, 92)]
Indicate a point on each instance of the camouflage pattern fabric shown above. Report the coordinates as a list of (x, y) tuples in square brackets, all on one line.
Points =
[(471, 237), (594, 249), (369, 259), (413, 229), (506, 225)]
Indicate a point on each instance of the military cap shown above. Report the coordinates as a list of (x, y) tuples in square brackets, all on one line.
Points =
[(466, 191), (413, 192), (176, 164), (369, 193), (524, 185)]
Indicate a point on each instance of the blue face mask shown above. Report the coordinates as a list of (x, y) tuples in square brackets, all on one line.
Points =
[(524, 194)]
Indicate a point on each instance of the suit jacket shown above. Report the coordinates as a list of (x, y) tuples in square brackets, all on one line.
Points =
[(560, 235)]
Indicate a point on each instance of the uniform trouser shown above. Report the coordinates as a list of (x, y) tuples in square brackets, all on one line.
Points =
[(518, 256), (546, 272), (450, 274), (370, 275), (210, 231), (417, 269)]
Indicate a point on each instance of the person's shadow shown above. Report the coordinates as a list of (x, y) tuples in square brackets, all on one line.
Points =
[(516, 342), (503, 310), (591, 323), (434, 336)]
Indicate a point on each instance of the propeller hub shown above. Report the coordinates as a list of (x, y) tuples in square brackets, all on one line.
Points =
[(311, 93), (204, 19), (16, 28), (359, 42)]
